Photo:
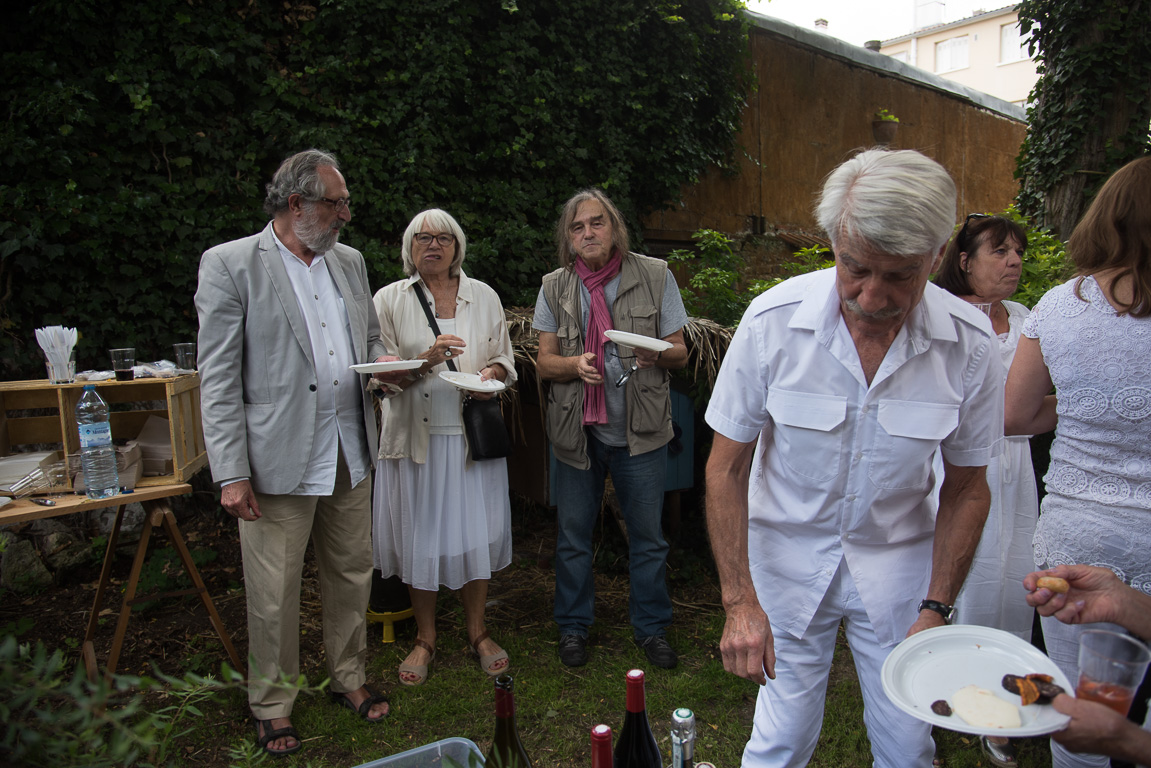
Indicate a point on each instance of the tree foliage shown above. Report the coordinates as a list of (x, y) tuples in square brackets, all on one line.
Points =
[(1091, 107), (139, 134)]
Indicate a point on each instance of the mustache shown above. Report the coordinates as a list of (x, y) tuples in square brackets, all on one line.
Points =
[(882, 314)]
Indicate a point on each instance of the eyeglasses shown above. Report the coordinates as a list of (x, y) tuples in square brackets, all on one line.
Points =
[(961, 238), (339, 204), (445, 239)]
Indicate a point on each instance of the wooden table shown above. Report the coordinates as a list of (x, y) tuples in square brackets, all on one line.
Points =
[(154, 499)]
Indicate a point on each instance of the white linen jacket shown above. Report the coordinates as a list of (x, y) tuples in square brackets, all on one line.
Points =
[(480, 322)]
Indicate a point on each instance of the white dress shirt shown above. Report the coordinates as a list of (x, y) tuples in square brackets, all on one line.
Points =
[(339, 410), (843, 469)]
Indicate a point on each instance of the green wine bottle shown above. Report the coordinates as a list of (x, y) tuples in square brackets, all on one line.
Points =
[(507, 750)]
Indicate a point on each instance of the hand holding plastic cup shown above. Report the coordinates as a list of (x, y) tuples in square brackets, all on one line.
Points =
[(123, 360), (1111, 667)]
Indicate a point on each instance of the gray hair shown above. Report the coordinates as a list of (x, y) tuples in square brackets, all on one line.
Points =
[(900, 203), (438, 220), (298, 175), (564, 251)]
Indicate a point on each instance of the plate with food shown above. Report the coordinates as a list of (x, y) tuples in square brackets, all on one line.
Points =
[(638, 341), (472, 382), (388, 366), (976, 680)]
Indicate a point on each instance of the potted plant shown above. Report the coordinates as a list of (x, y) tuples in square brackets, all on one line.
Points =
[(884, 126)]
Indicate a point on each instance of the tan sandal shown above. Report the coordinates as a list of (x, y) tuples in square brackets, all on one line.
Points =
[(419, 670), (487, 662)]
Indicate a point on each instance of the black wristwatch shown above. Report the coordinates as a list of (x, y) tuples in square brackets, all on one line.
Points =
[(943, 609)]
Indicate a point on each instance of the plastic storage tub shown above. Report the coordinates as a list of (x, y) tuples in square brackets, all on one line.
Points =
[(463, 752)]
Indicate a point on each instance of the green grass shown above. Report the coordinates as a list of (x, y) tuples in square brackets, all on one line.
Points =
[(556, 706)]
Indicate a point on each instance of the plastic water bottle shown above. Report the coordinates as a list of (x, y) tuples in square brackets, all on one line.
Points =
[(97, 456)]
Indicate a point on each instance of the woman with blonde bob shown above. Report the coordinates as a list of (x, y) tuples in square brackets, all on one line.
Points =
[(1091, 339), (440, 519)]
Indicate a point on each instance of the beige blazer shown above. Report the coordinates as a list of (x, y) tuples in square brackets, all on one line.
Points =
[(258, 379)]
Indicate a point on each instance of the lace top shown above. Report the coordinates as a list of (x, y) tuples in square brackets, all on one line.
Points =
[(1098, 504)]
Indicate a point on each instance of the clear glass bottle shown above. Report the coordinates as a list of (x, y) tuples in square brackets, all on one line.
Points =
[(507, 750), (636, 747)]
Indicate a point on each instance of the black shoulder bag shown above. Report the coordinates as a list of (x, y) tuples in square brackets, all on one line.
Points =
[(483, 420)]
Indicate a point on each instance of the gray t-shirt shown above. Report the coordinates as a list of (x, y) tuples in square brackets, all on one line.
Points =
[(672, 317)]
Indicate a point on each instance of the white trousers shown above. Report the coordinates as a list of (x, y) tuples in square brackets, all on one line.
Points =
[(789, 711), (340, 528)]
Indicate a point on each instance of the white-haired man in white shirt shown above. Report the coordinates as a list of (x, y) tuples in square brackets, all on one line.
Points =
[(848, 380)]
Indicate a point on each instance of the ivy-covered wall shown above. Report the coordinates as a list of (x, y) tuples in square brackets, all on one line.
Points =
[(137, 134)]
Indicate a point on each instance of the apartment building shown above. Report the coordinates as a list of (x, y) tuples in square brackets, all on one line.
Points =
[(984, 51)]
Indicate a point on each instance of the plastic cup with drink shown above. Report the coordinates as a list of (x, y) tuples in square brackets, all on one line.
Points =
[(1111, 666)]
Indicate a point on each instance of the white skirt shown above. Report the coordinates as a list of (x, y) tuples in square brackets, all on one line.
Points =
[(441, 523)]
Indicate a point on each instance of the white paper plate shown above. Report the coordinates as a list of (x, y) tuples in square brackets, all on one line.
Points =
[(471, 382), (937, 662), (389, 366), (637, 341)]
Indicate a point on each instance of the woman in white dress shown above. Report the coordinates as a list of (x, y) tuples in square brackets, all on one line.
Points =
[(1091, 338), (982, 265), (440, 519)]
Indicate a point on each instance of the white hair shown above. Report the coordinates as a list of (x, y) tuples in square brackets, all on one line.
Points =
[(440, 221), (900, 202)]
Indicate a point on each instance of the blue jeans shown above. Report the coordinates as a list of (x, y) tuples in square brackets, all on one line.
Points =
[(638, 484)]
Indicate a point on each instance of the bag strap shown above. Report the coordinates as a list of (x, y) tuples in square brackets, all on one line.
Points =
[(431, 318)]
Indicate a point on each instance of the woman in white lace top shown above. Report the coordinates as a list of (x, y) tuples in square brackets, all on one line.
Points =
[(1091, 338)]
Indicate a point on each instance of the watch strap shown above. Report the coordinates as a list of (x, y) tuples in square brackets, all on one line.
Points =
[(943, 609)]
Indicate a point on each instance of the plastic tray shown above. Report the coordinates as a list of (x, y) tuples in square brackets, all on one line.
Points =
[(463, 751)]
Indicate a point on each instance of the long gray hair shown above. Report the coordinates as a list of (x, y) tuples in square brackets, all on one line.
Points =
[(564, 251)]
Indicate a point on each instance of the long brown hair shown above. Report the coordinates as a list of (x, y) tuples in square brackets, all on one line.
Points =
[(1115, 233)]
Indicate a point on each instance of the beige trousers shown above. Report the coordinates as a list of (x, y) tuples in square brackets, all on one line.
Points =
[(340, 527)]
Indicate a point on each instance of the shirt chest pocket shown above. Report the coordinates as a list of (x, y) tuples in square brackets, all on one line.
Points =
[(905, 439), (808, 431)]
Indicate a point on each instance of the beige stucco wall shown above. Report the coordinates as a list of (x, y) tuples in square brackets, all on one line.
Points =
[(1010, 81), (812, 110)]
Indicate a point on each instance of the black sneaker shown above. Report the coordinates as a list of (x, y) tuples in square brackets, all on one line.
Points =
[(659, 651), (573, 650)]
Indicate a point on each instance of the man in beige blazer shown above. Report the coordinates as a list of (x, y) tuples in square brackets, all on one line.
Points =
[(288, 429)]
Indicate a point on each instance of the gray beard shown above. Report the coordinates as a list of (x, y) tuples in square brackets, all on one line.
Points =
[(315, 236)]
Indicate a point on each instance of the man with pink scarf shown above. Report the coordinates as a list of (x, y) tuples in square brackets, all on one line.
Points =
[(602, 421)]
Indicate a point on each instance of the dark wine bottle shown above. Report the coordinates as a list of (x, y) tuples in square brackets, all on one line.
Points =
[(636, 747), (601, 747), (507, 750)]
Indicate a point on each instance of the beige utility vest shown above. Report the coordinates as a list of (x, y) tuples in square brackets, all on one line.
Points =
[(636, 309)]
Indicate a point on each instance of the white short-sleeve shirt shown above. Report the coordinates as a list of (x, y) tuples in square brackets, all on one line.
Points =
[(843, 469)]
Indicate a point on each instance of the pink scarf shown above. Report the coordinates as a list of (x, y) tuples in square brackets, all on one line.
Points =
[(599, 320)]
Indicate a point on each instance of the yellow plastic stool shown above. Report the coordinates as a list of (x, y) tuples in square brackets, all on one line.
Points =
[(388, 619)]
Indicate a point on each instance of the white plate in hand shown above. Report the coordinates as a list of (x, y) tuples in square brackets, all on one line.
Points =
[(387, 367), (638, 341), (937, 662), (471, 382)]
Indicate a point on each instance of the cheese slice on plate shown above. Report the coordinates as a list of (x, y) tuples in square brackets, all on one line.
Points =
[(982, 708)]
